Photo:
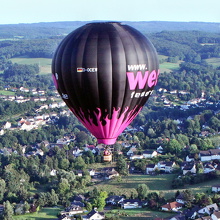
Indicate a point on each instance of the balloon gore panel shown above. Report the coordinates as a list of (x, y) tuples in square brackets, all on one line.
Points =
[(105, 73)]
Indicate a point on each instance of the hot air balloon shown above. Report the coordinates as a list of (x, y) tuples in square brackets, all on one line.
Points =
[(105, 73)]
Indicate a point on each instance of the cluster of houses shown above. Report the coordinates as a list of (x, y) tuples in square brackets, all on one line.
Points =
[(29, 123), (209, 212), (77, 207), (38, 95), (206, 159)]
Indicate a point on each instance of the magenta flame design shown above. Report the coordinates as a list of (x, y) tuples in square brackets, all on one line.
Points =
[(55, 81), (108, 133)]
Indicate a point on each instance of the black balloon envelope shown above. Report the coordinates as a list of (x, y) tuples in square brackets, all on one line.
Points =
[(105, 73)]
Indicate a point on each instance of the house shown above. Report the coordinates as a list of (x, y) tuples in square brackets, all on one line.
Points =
[(131, 151), (77, 204), (94, 215), (178, 217), (109, 172), (78, 198), (150, 153), (91, 172), (79, 172), (160, 149), (189, 168), (172, 206), (190, 157), (7, 125), (131, 204), (207, 155), (209, 209), (180, 199), (53, 172), (114, 200), (166, 166), (205, 218), (64, 141), (208, 167), (190, 213), (215, 216), (136, 157), (216, 188), (91, 148), (64, 217), (150, 168), (76, 152), (72, 210)]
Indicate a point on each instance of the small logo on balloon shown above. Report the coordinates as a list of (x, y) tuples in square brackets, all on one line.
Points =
[(65, 96), (88, 70)]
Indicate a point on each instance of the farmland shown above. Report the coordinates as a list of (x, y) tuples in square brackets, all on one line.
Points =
[(44, 63)]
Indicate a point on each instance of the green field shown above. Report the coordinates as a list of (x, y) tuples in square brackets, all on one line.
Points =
[(4, 92), (159, 183), (168, 67), (44, 213), (139, 214), (214, 62), (44, 63)]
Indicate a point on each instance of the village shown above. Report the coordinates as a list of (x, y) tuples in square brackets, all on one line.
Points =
[(206, 160)]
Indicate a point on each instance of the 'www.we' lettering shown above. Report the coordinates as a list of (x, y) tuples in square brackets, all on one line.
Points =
[(149, 79)]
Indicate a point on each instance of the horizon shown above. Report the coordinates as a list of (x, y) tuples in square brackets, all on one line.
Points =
[(91, 21), (28, 12)]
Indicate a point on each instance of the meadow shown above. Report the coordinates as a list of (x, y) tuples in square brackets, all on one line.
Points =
[(159, 183), (5, 92), (44, 63), (44, 213), (215, 62)]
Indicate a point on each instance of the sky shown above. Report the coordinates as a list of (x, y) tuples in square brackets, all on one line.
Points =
[(34, 11)]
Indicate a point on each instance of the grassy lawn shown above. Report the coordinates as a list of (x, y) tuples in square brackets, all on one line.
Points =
[(129, 183), (44, 213), (44, 63), (213, 61), (4, 92), (133, 214)]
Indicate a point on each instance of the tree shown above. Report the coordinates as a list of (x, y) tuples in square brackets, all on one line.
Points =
[(174, 147), (88, 206), (8, 211), (63, 187), (26, 207), (121, 166), (99, 200), (2, 188), (142, 191), (79, 163), (54, 199)]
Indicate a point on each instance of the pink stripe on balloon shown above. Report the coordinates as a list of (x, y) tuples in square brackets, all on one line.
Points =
[(55, 81)]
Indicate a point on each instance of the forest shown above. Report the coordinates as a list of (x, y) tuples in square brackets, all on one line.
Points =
[(179, 132)]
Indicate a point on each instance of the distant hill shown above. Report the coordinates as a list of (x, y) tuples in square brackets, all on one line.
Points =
[(48, 29)]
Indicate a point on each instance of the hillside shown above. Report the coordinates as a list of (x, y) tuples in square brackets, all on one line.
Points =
[(45, 29)]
